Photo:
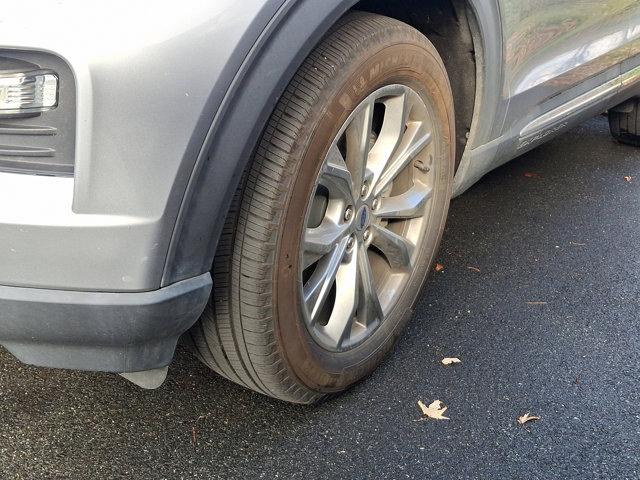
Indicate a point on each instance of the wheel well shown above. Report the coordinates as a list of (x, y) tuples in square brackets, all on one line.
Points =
[(446, 24)]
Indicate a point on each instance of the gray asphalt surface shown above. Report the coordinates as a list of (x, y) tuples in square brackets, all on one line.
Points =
[(567, 236)]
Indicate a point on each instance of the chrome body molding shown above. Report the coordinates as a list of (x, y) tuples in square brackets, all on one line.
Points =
[(563, 113), (630, 78)]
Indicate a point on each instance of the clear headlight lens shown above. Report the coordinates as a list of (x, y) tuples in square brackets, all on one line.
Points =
[(28, 92)]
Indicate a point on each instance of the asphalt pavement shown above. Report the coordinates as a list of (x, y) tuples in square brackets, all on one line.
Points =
[(539, 298)]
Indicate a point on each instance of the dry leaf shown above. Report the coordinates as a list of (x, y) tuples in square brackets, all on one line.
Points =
[(439, 267), (475, 269), (450, 361), (628, 178), (527, 418), (435, 410)]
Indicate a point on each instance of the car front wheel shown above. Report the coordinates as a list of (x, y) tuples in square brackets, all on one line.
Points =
[(339, 216)]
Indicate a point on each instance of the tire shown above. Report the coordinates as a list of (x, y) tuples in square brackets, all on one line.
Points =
[(624, 123), (254, 331)]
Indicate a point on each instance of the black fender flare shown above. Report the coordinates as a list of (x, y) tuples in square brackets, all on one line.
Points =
[(249, 101)]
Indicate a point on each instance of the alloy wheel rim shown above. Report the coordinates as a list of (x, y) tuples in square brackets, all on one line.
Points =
[(368, 212)]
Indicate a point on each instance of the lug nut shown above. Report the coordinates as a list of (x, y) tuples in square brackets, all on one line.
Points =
[(348, 214), (364, 190), (423, 167), (351, 243), (366, 235), (376, 204)]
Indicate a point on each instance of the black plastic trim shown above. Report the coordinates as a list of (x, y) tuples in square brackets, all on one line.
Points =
[(113, 332)]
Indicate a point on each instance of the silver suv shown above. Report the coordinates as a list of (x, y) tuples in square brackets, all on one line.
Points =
[(269, 179)]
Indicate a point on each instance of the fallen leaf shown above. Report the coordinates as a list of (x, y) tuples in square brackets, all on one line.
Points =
[(628, 178), (531, 175), (536, 303), (527, 418), (475, 269), (435, 410), (450, 361), (439, 267)]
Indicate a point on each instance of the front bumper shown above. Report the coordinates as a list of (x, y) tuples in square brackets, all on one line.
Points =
[(112, 332), (141, 105)]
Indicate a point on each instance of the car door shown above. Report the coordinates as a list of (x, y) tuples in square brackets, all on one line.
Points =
[(631, 66), (563, 61)]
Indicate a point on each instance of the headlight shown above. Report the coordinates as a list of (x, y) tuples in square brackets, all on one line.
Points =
[(28, 92)]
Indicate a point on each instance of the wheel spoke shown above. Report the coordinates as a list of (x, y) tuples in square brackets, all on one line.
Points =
[(341, 320), (397, 249), (336, 176), (391, 135), (319, 285), (358, 136), (321, 240), (415, 139), (369, 310), (408, 205)]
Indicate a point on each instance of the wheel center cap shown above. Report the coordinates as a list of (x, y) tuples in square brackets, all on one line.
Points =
[(363, 217)]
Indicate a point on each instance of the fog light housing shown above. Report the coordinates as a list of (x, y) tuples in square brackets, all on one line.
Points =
[(27, 93)]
